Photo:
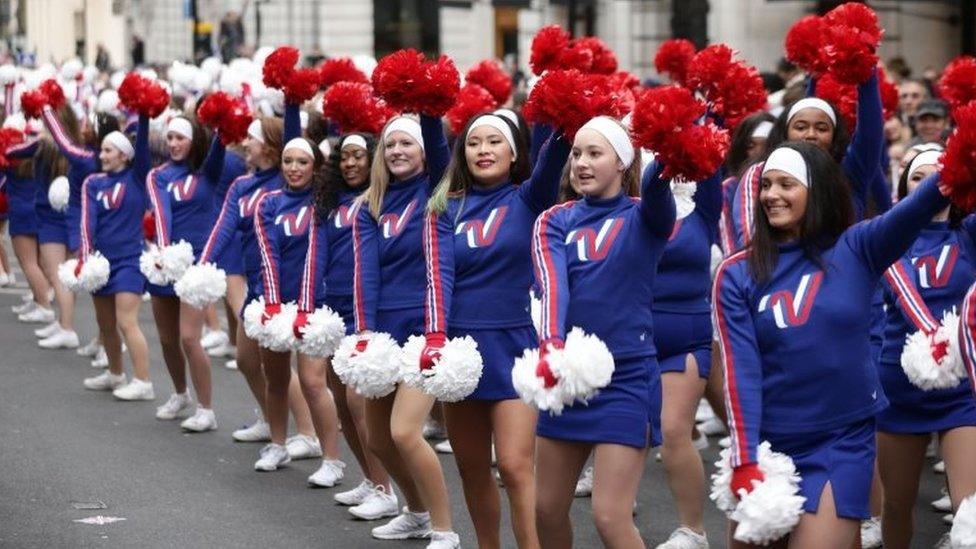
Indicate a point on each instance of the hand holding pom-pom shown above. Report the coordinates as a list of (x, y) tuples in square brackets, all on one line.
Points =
[(32, 103), (396, 76), (567, 99), (279, 66), (369, 363), (321, 333), (803, 44), (253, 319), (279, 333), (604, 60), (446, 370), (673, 59), (202, 285), (744, 478), (561, 376), (143, 95), (439, 87), (53, 92), (734, 89), (302, 85), (150, 265), (228, 115), (851, 39), (88, 274)]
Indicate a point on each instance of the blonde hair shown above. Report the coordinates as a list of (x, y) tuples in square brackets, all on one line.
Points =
[(379, 175)]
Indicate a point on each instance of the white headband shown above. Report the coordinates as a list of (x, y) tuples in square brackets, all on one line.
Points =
[(616, 135), (299, 144), (762, 130), (408, 126), (181, 126), (121, 142), (509, 114), (494, 121), (790, 161), (924, 158), (812, 103), (354, 141), (255, 131)]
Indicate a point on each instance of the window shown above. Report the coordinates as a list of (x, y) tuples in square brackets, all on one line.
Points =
[(406, 24)]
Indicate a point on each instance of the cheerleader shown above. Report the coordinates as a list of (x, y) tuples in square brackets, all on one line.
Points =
[(112, 206), (929, 280), (347, 175), (181, 193), (604, 286), (478, 280), (793, 313), (283, 232), (388, 290)]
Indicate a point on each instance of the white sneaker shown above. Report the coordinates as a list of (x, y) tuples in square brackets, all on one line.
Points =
[(871, 533), (703, 413), (4, 279), (303, 447), (357, 495), (90, 349), (685, 538), (176, 405), (231, 364), (406, 525), (27, 306), (725, 442), (223, 350), (584, 486), (947, 518), (214, 338), (712, 427), (444, 447), (62, 339), (700, 443), (101, 358), (104, 381), (328, 475), (136, 389), (943, 504), (48, 330), (379, 503), (272, 457), (38, 315), (444, 540), (939, 468), (259, 431), (434, 430), (203, 420)]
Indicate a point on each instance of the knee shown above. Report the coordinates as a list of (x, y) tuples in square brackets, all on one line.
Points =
[(313, 389), (189, 342), (128, 327), (609, 517), (516, 471), (548, 515), (379, 444), (405, 436), (675, 432), (278, 381)]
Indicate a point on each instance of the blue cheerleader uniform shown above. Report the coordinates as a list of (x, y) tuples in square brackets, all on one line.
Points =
[(52, 226), (82, 162), (595, 262), (797, 356), (21, 198), (232, 260), (479, 268), (285, 231)]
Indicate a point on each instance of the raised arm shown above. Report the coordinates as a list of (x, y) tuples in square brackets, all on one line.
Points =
[(863, 156), (540, 135), (68, 147), (366, 270), (657, 205), (436, 149), (744, 205), (541, 190), (708, 199), (549, 258), (270, 254), (227, 224), (141, 162), (316, 258), (213, 165), (439, 252), (24, 150), (293, 122)]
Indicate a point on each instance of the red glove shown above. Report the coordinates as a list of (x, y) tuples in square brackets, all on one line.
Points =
[(361, 345), (432, 351), (270, 310), (743, 477), (542, 369), (78, 266), (939, 348), (301, 320)]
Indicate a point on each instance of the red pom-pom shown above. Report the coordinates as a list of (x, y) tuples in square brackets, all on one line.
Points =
[(734, 89), (575, 58), (490, 76), (143, 95), (355, 109), (471, 101), (52, 90), (149, 227), (32, 103), (803, 44), (959, 160), (851, 39), (662, 111), (396, 78), (547, 48), (673, 58), (567, 99), (604, 60), (279, 66), (302, 85), (695, 153), (625, 79), (8, 138), (958, 83), (227, 114), (889, 95), (439, 87), (840, 95), (340, 69)]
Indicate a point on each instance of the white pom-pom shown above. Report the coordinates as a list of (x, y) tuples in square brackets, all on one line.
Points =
[(89, 74), (921, 368), (375, 372), (252, 319), (72, 68), (774, 506), (116, 79), (108, 102), (58, 193), (202, 285), (410, 361), (963, 533), (456, 374), (16, 121), (66, 274), (279, 331), (93, 276), (8, 74), (150, 264), (212, 66), (176, 259), (322, 333), (365, 63)]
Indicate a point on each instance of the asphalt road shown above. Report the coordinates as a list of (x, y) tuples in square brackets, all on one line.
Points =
[(68, 454)]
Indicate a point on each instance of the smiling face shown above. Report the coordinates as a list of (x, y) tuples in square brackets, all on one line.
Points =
[(179, 146), (813, 126), (919, 175), (297, 167), (596, 166), (111, 158), (403, 155), (354, 165), (488, 155), (784, 200)]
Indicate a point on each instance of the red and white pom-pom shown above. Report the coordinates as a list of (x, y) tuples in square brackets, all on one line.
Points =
[(472, 100), (340, 69), (567, 99), (175, 259), (355, 109), (322, 334), (93, 276), (851, 36), (840, 95), (734, 89), (548, 46), (302, 85), (253, 311), (373, 373), (958, 83), (396, 78), (963, 533), (933, 361), (201, 285), (59, 193), (604, 60), (227, 114), (581, 368), (774, 506), (439, 87), (151, 265), (455, 374), (143, 95), (279, 66), (958, 175), (53, 92), (673, 59), (32, 103), (278, 334), (803, 44), (490, 76), (9, 137)]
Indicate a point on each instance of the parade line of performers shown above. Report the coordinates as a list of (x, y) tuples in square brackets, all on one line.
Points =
[(562, 281)]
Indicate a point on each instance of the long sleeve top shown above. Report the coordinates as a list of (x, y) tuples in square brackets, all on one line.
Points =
[(329, 258), (796, 352), (283, 227), (479, 263), (967, 335), (112, 205), (595, 263), (82, 161), (389, 255)]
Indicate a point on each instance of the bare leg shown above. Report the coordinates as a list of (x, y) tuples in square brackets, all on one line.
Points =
[(277, 370), (236, 291), (351, 408), (25, 248), (311, 375), (686, 474), (52, 255), (299, 408), (166, 313), (900, 462), (825, 529), (108, 331), (4, 260), (249, 364), (469, 428), (958, 449), (617, 472), (127, 312), (380, 442), (191, 327), (558, 465), (715, 388)]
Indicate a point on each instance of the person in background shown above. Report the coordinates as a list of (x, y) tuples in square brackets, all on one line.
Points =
[(910, 94), (931, 122)]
